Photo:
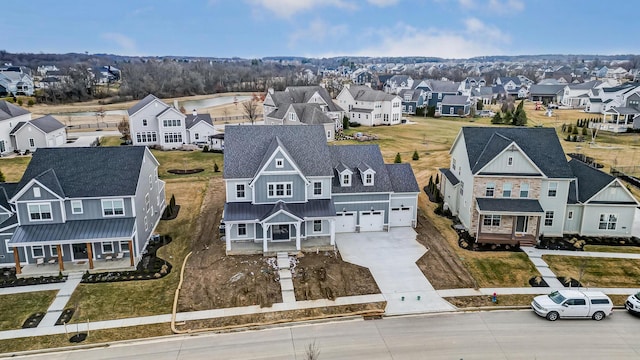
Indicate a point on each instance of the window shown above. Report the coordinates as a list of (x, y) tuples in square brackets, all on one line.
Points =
[(346, 180), (173, 138), (279, 190), (317, 226), (328, 134), (107, 247), (147, 203), (242, 229), (292, 117), (491, 220), (150, 181), (317, 188), (37, 251), (76, 207), (524, 190), (576, 302), (510, 161), (608, 221), (113, 207), (368, 179), (197, 136), (548, 218), (506, 190), (570, 215), (32, 143), (39, 212), (144, 122), (453, 164), (240, 194), (146, 136), (279, 163), (36, 192), (124, 246), (146, 224), (490, 190), (553, 189), (600, 301)]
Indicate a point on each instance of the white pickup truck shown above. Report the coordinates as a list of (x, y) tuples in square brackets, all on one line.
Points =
[(633, 304), (573, 304)]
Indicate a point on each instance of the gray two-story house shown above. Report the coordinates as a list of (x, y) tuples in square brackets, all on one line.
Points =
[(511, 185), (288, 190), (83, 206)]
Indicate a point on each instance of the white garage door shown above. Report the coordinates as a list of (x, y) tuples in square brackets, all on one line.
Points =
[(345, 222), (371, 221), (401, 216), (59, 140)]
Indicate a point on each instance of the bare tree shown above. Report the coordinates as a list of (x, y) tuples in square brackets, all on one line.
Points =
[(312, 351), (250, 108), (123, 127)]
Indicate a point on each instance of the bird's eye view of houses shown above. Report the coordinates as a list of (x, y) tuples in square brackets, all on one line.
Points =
[(348, 179)]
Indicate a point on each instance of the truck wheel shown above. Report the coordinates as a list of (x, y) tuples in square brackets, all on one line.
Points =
[(552, 316), (599, 315)]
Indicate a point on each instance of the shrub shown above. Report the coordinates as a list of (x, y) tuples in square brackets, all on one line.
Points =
[(31, 102), (398, 159), (215, 167), (20, 102), (345, 122), (205, 148), (354, 124), (415, 156)]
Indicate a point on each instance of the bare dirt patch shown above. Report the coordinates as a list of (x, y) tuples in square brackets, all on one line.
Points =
[(326, 276), (215, 280), (441, 265)]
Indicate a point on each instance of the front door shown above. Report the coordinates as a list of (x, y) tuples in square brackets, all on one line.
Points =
[(79, 251), (280, 232), (521, 224)]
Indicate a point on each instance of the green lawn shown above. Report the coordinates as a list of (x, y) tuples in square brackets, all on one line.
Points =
[(14, 167), (16, 308), (500, 269), (151, 297), (613, 249), (597, 272)]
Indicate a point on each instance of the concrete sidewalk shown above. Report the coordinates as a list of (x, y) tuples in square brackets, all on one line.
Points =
[(391, 257), (526, 291), (30, 288), (535, 255), (62, 298)]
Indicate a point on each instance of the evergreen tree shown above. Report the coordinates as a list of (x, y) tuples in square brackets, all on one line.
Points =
[(585, 132), (575, 130), (497, 118), (520, 116), (415, 155), (570, 129), (437, 179), (345, 122), (2, 179), (398, 159), (507, 118), (215, 167)]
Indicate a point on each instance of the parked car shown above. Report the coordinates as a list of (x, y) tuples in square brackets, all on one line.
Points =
[(486, 113), (573, 304), (633, 304)]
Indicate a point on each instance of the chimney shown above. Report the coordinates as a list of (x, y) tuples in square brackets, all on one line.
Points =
[(195, 113), (270, 90)]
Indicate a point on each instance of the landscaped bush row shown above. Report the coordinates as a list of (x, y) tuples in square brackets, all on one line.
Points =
[(577, 243), (8, 279)]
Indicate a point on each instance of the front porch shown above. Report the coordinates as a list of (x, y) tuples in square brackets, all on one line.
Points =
[(80, 266), (316, 243), (510, 239)]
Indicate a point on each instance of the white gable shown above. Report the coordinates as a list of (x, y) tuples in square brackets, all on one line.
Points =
[(614, 192), (512, 161)]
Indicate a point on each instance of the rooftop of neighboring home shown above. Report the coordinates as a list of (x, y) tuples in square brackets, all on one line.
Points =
[(541, 145), (589, 180), (455, 100), (546, 89), (9, 110), (302, 94), (195, 118), (46, 123), (365, 93), (144, 102), (439, 86), (86, 172), (310, 114), (585, 85)]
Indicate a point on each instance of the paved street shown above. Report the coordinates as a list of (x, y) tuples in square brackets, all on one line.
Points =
[(481, 335)]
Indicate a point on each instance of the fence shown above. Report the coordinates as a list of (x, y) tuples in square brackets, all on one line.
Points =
[(100, 125), (621, 173)]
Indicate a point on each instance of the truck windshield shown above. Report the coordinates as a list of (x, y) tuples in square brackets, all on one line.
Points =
[(637, 296), (557, 298)]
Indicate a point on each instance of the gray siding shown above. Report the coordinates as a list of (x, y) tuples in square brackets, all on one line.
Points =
[(56, 213), (367, 207), (29, 194), (231, 191), (521, 164), (351, 198), (282, 218), (326, 188), (92, 209), (556, 204), (298, 188), (308, 229), (591, 220), (287, 166), (154, 212), (572, 226), (27, 132)]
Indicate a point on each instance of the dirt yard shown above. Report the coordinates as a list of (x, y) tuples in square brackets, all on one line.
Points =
[(441, 265), (214, 280)]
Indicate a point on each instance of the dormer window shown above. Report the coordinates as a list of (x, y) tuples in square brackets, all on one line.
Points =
[(279, 163), (368, 179), (346, 179), (292, 117)]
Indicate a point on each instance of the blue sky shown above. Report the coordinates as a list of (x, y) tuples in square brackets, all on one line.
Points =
[(318, 28)]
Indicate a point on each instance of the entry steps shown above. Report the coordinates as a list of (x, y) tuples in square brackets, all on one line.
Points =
[(286, 281)]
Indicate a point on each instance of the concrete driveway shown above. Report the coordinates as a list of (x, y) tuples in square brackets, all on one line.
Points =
[(391, 257)]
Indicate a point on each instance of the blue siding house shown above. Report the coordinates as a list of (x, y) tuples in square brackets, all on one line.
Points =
[(288, 190)]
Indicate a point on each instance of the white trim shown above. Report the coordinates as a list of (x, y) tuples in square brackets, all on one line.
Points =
[(282, 151), (124, 249), (36, 192), (246, 232), (284, 189), (507, 148), (313, 189), (313, 227), (279, 163), (244, 191), (73, 208), (364, 202), (102, 244), (113, 208), (266, 220), (25, 188), (8, 249), (41, 247), (40, 211), (620, 185), (52, 247)]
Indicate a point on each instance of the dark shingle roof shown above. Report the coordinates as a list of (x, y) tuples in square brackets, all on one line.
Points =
[(47, 124), (311, 114), (142, 103), (402, 178), (365, 93), (509, 205), (351, 156), (460, 100), (246, 145), (546, 89), (49, 180), (88, 172), (75, 230), (242, 211), (6, 191), (8, 110), (17, 127), (191, 120), (302, 94), (11, 221), (541, 145), (438, 86), (590, 180), (450, 176)]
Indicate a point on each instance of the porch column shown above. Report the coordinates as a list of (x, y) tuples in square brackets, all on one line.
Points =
[(538, 227), (227, 238), (16, 258), (513, 227), (60, 261), (131, 257), (90, 255), (332, 231), (264, 239), (298, 236)]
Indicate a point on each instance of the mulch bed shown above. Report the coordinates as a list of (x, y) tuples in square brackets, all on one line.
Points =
[(576, 243), (33, 320), (538, 281), (65, 317), (184, 171), (468, 242), (173, 215), (569, 282), (8, 279)]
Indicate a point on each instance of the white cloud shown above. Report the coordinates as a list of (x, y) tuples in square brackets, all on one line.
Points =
[(475, 39), (506, 6), (383, 3), (286, 8), (317, 31), (127, 45), (468, 4)]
